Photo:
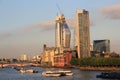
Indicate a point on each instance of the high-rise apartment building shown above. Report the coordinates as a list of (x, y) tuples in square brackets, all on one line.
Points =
[(62, 33), (82, 33)]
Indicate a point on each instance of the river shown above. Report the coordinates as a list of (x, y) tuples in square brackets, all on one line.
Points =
[(9, 73)]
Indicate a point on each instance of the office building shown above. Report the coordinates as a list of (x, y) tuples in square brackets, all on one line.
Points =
[(82, 34), (101, 46)]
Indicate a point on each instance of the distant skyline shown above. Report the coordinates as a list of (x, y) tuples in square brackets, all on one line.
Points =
[(25, 25)]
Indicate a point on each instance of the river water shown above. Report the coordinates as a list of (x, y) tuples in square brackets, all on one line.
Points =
[(9, 73)]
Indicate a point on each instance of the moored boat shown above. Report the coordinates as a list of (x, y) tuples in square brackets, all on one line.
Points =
[(51, 73), (109, 75), (22, 70), (67, 73), (57, 73)]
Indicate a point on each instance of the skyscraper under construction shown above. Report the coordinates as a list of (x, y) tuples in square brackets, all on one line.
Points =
[(82, 35), (62, 33)]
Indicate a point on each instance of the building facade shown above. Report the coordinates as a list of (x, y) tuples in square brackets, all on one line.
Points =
[(24, 57), (62, 59), (82, 35), (48, 56), (101, 46), (37, 59), (51, 57), (62, 33)]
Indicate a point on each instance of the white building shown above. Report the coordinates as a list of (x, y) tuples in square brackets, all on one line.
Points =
[(36, 58), (24, 57)]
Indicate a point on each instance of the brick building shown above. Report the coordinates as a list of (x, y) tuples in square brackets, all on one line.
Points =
[(61, 60)]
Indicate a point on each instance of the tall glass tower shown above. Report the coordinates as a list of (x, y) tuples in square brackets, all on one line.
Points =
[(62, 32), (82, 33)]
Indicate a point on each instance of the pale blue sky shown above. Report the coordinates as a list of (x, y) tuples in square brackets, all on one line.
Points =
[(25, 25)]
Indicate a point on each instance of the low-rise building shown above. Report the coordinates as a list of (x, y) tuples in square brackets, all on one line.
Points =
[(48, 55), (52, 57), (64, 59), (37, 59)]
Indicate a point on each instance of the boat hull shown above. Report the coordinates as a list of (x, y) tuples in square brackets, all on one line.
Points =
[(51, 74), (57, 73), (109, 75)]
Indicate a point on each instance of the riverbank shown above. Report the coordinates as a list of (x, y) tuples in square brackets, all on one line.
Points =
[(88, 68)]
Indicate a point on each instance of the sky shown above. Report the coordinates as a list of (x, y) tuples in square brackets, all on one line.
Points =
[(26, 25)]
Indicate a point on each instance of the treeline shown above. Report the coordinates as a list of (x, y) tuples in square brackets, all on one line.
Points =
[(96, 62)]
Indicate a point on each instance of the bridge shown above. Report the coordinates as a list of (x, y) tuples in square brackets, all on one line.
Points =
[(18, 64)]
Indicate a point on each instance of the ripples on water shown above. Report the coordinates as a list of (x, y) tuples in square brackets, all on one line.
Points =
[(12, 74)]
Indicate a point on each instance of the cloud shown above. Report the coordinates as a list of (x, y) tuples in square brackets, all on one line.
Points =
[(111, 12), (47, 25), (41, 26)]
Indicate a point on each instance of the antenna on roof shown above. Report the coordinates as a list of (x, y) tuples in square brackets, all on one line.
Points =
[(59, 8)]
